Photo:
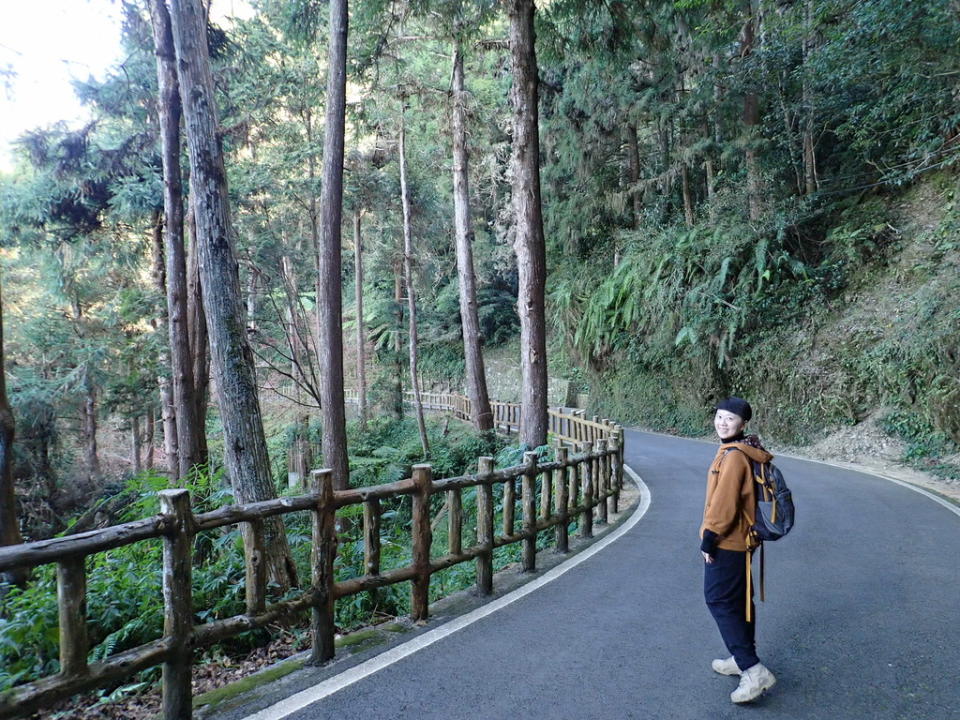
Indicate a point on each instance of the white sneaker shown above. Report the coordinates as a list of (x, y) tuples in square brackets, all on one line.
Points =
[(726, 667), (753, 682)]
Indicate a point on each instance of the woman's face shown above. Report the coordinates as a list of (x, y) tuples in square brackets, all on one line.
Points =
[(727, 424)]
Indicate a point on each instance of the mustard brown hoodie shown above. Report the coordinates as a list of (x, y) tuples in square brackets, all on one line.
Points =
[(729, 510)]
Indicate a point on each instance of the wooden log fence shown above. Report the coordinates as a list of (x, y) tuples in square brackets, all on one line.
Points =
[(583, 483)]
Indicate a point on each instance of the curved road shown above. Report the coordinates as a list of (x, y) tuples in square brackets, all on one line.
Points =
[(862, 618)]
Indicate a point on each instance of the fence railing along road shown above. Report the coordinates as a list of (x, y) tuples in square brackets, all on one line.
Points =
[(575, 486)]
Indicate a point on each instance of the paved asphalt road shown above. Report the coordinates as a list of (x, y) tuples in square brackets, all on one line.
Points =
[(862, 618)]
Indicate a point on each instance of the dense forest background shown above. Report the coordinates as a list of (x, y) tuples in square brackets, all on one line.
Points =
[(751, 197), (738, 196)]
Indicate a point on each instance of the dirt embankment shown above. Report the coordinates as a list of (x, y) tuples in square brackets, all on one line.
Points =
[(865, 446)]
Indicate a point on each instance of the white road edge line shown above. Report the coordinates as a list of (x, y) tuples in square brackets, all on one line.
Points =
[(328, 687), (902, 483)]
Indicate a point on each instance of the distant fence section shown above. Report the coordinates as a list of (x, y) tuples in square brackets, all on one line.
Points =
[(569, 427), (582, 484)]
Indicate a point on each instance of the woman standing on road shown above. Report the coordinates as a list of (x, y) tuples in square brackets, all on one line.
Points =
[(728, 515)]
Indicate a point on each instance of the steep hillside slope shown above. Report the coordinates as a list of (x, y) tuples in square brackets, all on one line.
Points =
[(876, 358)]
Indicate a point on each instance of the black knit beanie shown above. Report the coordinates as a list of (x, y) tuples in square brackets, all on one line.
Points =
[(737, 406)]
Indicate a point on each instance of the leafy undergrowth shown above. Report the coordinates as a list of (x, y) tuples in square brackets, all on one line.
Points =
[(872, 323)]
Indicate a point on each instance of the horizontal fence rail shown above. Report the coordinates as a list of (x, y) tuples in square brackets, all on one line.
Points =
[(583, 484)]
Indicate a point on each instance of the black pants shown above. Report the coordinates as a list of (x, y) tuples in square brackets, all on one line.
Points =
[(725, 590)]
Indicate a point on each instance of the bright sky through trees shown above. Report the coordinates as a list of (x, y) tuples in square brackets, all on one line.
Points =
[(46, 44)]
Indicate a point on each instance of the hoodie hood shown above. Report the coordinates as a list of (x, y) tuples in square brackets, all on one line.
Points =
[(757, 454)]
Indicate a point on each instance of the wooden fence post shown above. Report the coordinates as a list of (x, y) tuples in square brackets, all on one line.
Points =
[(485, 527), (529, 503), (256, 575), (574, 494), (546, 493), (72, 604), (586, 518), (455, 521), (621, 454), (603, 479), (615, 473), (371, 536), (422, 538), (509, 505), (177, 604), (563, 499), (323, 554)]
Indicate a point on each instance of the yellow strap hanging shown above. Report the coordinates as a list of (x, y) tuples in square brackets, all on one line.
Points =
[(749, 585), (762, 567)]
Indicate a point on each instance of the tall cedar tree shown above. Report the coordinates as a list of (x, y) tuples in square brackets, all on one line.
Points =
[(169, 110), (412, 338), (480, 413), (329, 301), (245, 448), (529, 243)]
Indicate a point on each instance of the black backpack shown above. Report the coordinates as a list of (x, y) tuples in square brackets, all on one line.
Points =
[(773, 518), (774, 512)]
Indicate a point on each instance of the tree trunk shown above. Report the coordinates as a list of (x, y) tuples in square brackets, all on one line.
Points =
[(751, 122), (361, 329), (529, 243), (709, 170), (665, 179), (300, 456), (148, 433), (633, 162), (9, 525), (480, 413), (135, 444), (253, 280), (199, 343), (809, 145), (329, 301), (397, 342), (245, 448), (91, 453), (687, 198), (168, 412), (408, 283), (170, 112)]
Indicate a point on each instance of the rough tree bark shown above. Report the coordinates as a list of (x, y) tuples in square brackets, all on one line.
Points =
[(412, 339), (170, 110), (168, 413), (329, 302), (9, 525), (199, 344), (136, 441), (148, 433), (245, 448), (529, 244), (361, 329), (480, 413), (92, 453)]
